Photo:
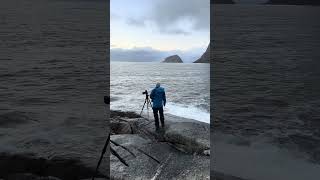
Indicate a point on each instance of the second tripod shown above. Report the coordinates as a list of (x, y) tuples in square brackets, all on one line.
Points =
[(146, 101)]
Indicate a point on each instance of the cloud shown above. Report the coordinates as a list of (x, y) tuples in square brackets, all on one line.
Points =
[(147, 54), (166, 13), (176, 17), (175, 31), (135, 22)]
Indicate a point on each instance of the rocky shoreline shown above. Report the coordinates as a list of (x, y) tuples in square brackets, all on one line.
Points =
[(181, 150)]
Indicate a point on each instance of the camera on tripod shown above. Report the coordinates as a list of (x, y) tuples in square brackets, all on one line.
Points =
[(146, 101), (145, 92)]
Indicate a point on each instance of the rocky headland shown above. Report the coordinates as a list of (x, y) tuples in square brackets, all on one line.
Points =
[(205, 58)]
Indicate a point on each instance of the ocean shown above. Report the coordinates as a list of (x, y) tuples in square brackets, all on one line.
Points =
[(266, 91), (187, 87), (53, 78)]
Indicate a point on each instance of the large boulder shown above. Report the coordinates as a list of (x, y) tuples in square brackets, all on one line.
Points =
[(205, 58), (173, 59), (184, 134), (190, 137)]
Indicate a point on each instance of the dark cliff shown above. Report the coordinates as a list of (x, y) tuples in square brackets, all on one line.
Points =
[(205, 58)]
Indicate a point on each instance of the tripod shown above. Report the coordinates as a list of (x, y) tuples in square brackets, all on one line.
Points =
[(146, 101), (106, 144)]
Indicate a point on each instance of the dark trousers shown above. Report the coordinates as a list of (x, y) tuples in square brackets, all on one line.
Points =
[(156, 118)]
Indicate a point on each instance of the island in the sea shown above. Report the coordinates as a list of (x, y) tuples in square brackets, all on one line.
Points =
[(173, 59)]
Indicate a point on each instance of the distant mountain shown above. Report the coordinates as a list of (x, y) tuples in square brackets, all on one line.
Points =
[(295, 2), (222, 2), (173, 59), (205, 58)]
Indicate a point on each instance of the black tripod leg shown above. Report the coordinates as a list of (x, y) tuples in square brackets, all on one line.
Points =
[(101, 156), (150, 103), (143, 106)]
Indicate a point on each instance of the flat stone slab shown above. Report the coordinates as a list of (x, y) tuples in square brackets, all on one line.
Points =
[(155, 160)]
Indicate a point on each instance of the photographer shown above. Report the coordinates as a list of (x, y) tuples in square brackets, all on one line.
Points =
[(158, 97)]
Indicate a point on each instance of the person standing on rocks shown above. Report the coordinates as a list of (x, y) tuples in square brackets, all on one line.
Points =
[(158, 97)]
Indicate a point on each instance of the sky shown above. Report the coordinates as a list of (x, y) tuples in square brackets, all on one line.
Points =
[(150, 30)]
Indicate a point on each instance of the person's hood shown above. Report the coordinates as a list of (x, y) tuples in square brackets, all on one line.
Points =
[(159, 88)]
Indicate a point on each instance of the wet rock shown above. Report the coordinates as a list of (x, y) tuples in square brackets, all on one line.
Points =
[(192, 137), (120, 127), (186, 135), (127, 114)]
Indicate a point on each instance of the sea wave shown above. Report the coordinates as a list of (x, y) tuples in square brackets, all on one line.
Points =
[(188, 111)]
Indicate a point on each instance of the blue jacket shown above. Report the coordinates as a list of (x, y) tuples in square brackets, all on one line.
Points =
[(158, 97)]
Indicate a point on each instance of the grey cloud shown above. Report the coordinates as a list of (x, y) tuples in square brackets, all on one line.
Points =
[(135, 22), (167, 13), (175, 31)]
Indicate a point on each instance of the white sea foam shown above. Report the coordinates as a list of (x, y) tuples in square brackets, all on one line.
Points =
[(184, 99), (187, 111)]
